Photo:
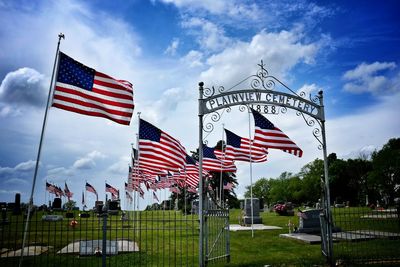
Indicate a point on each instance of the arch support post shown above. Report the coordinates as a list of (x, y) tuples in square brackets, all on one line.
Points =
[(327, 246), (201, 182)]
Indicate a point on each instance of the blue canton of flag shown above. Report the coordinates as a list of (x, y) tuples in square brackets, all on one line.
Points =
[(212, 163), (75, 73), (243, 149)]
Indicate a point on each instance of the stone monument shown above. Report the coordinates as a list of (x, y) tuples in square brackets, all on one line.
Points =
[(247, 211)]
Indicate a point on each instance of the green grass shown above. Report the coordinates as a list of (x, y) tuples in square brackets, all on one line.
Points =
[(170, 237)]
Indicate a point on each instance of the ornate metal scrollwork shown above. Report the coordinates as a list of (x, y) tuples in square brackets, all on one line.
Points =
[(310, 121), (243, 108)]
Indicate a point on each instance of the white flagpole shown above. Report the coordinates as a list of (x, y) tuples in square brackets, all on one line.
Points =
[(251, 180), (60, 36), (220, 174)]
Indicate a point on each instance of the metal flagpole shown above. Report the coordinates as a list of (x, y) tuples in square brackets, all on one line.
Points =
[(220, 174), (201, 218), (251, 181), (60, 36)]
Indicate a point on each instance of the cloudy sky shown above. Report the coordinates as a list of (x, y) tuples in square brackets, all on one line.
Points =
[(348, 49)]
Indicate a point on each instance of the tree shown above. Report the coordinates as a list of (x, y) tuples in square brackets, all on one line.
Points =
[(69, 205), (386, 171), (260, 190), (311, 175)]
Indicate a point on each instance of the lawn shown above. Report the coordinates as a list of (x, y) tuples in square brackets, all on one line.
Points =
[(167, 238)]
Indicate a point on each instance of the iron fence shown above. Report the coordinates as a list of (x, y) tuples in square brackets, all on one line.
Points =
[(131, 238), (366, 236)]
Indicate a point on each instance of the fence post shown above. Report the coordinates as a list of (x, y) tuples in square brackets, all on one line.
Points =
[(104, 252)]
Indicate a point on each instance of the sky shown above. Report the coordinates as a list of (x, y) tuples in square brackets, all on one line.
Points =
[(348, 49)]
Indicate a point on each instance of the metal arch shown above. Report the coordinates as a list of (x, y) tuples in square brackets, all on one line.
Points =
[(263, 83)]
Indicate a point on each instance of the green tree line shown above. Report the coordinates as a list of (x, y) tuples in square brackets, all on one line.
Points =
[(362, 181)]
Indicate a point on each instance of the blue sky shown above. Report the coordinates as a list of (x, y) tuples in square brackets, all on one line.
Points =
[(349, 49)]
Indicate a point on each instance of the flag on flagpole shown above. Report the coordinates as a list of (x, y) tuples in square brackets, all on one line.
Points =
[(67, 192), (191, 172), (212, 163), (50, 188), (91, 189), (58, 191), (111, 189), (158, 150), (243, 149), (228, 185), (268, 136), (84, 90)]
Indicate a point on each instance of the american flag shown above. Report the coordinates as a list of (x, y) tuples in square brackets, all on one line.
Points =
[(84, 90), (58, 191), (50, 188), (128, 188), (111, 189), (243, 149), (158, 150), (192, 190), (228, 185), (90, 188), (67, 192), (268, 136), (191, 172), (212, 163)]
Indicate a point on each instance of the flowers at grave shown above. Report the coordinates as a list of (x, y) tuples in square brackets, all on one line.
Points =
[(281, 209)]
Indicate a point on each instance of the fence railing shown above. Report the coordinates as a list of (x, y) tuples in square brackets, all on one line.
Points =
[(132, 238), (366, 236)]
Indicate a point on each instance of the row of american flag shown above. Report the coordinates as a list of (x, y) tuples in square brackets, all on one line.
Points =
[(161, 161)]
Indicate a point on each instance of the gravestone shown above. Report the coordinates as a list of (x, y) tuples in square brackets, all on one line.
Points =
[(247, 211), (17, 206), (195, 207), (113, 207), (99, 206), (56, 204), (309, 221), (52, 218), (84, 215), (95, 247), (4, 219)]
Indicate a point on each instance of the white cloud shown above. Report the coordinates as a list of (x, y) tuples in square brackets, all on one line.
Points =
[(367, 78), (210, 36), (23, 167), (280, 52), (193, 59), (16, 181), (309, 89), (88, 161), (228, 8), (171, 49), (120, 167), (22, 88)]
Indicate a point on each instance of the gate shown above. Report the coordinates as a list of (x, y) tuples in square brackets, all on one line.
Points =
[(270, 95), (216, 234)]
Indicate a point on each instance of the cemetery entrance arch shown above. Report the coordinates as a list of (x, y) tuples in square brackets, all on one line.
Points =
[(266, 94)]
